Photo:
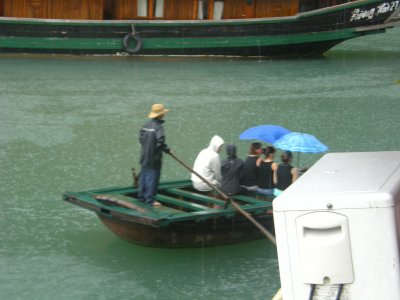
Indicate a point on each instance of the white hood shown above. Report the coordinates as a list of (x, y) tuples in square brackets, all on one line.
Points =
[(208, 165), (215, 143)]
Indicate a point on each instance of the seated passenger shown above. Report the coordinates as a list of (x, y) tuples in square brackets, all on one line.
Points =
[(267, 167), (231, 168), (208, 165), (249, 176), (285, 173)]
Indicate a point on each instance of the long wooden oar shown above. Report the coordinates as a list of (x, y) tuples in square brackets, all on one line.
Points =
[(229, 199)]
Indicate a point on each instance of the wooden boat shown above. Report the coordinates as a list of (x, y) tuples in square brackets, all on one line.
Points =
[(185, 219), (269, 28)]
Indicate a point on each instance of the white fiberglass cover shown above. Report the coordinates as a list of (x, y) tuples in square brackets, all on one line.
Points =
[(346, 180)]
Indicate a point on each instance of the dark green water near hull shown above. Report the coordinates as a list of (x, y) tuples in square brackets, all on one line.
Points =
[(70, 123)]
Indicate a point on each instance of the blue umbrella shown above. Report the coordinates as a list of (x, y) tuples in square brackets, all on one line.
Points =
[(266, 133), (300, 142)]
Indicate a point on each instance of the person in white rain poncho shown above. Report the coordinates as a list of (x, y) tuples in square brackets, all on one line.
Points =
[(208, 165)]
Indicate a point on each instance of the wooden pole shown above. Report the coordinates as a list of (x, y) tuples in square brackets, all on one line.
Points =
[(210, 9)]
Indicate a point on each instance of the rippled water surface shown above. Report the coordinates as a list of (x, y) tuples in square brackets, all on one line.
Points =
[(71, 123)]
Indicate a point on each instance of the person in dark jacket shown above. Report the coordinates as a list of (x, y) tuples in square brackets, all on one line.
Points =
[(231, 168), (267, 167), (152, 140), (249, 176), (285, 174)]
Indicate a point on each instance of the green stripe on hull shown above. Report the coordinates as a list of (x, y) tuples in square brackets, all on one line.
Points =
[(60, 43), (174, 43), (251, 41)]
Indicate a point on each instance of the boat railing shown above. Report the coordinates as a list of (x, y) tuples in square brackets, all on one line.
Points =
[(151, 10)]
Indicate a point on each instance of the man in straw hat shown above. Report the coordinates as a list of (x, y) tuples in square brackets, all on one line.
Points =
[(152, 140)]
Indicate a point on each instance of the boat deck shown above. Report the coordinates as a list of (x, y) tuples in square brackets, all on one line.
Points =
[(179, 203)]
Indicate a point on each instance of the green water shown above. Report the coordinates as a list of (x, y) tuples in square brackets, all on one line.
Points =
[(69, 123)]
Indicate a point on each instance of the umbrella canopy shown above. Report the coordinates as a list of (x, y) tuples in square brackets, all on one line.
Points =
[(300, 142), (266, 133)]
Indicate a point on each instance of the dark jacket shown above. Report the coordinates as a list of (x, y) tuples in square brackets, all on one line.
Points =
[(249, 176), (230, 170), (152, 139), (265, 179), (284, 176)]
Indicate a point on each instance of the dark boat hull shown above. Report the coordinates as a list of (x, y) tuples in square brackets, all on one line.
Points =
[(186, 218), (306, 34), (190, 234)]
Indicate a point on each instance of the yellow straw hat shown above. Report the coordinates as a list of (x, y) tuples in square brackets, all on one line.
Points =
[(157, 110)]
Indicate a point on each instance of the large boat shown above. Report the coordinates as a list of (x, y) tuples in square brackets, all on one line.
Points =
[(185, 219), (268, 28)]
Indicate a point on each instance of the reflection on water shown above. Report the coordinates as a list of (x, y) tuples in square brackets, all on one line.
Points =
[(70, 123)]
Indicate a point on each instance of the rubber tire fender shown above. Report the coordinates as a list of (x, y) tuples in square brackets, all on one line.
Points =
[(137, 39)]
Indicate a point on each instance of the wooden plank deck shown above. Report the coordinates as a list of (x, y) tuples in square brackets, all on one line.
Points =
[(250, 199), (196, 196), (181, 203)]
